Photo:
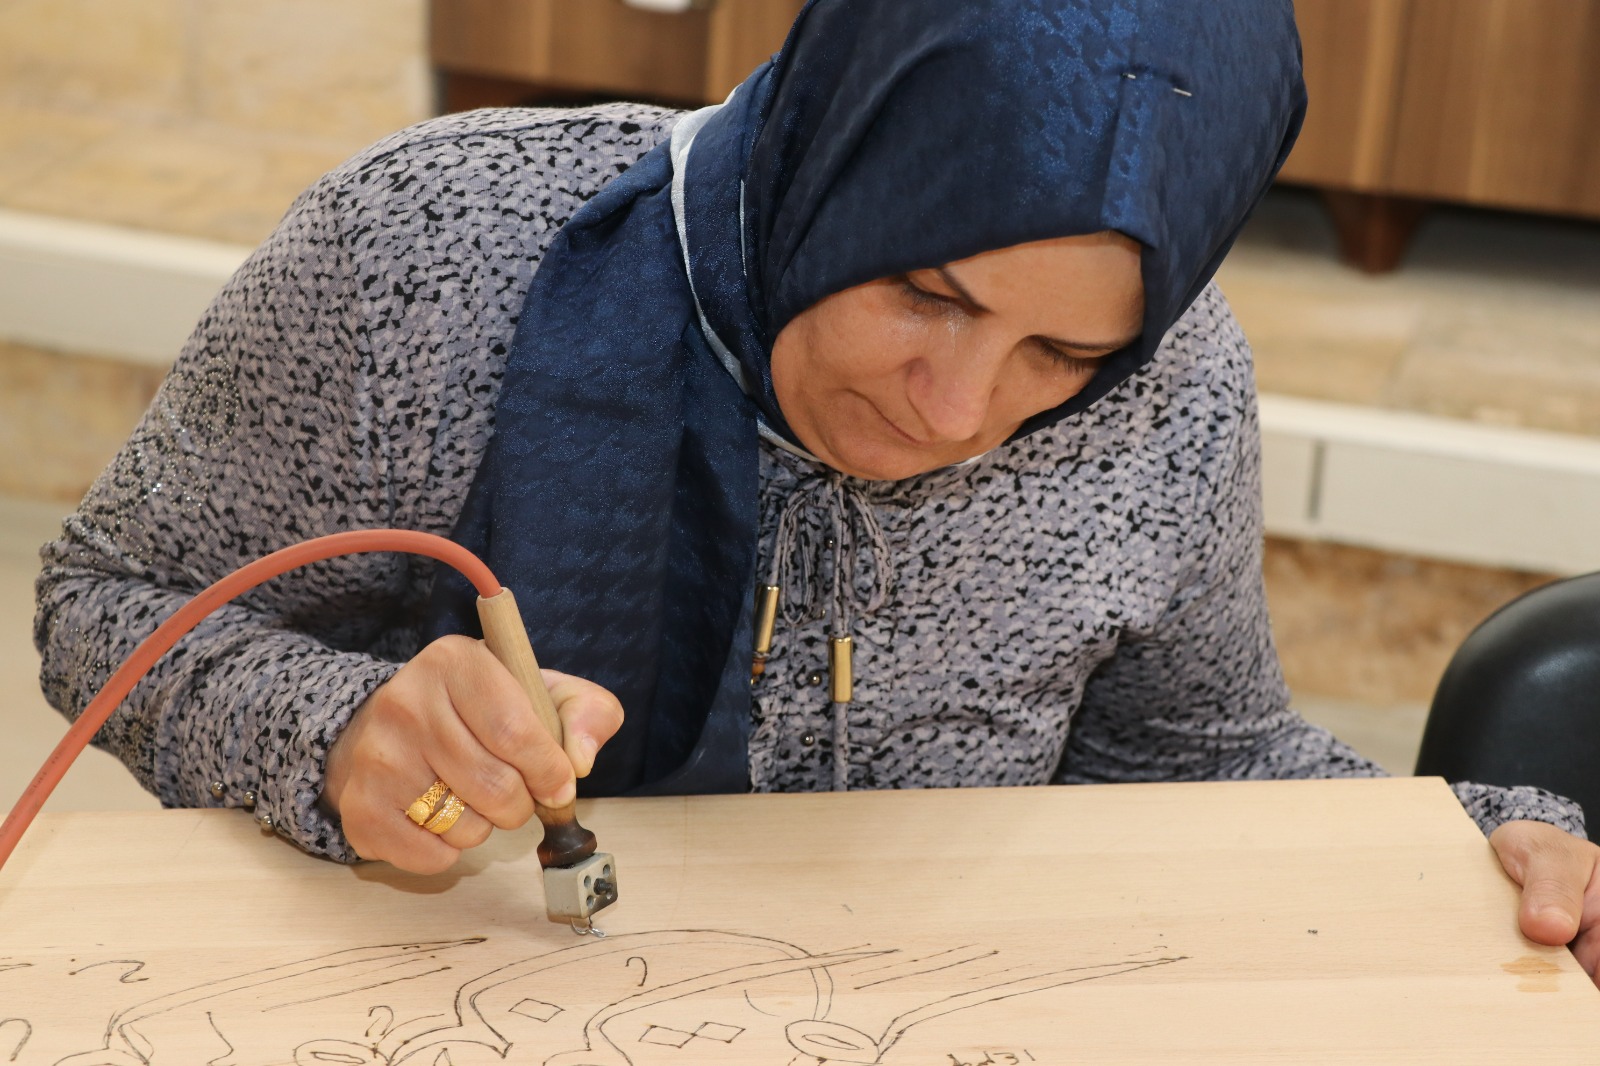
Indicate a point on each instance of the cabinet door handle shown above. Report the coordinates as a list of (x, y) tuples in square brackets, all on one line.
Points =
[(667, 6)]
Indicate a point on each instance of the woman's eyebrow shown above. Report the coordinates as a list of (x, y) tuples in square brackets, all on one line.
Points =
[(1104, 347), (961, 290)]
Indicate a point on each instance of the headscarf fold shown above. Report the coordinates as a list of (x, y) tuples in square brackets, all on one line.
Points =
[(618, 497)]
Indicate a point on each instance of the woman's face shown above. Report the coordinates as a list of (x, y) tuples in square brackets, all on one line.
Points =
[(908, 374)]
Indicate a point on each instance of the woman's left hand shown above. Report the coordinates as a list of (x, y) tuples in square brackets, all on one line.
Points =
[(1560, 879)]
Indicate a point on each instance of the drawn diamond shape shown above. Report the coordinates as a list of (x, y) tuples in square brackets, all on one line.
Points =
[(537, 1009), (718, 1031), (660, 1034)]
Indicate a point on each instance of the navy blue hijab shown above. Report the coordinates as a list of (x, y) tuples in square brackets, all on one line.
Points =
[(618, 497)]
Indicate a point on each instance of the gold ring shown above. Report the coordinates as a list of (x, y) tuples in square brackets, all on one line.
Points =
[(446, 816), (422, 807)]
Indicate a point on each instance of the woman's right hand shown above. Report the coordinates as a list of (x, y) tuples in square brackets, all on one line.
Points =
[(455, 714)]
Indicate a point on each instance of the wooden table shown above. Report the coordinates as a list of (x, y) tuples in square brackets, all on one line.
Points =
[(1293, 922)]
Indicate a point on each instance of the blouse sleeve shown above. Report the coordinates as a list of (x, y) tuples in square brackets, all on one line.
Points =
[(1200, 695), (344, 378), (249, 446)]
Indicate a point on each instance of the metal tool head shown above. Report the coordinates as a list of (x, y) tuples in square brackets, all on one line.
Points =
[(573, 894)]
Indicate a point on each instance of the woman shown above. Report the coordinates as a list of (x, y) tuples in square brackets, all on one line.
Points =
[(917, 324)]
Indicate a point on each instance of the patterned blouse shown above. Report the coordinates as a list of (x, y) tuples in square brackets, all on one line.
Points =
[(1084, 605)]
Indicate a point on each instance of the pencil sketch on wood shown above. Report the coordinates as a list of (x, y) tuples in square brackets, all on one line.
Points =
[(678, 997)]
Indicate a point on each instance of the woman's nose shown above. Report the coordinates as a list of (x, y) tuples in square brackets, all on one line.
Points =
[(952, 390)]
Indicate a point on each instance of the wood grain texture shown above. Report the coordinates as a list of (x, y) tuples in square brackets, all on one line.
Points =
[(1490, 102), (744, 33), (1351, 50), (1499, 104), (1329, 922), (590, 45), (491, 37)]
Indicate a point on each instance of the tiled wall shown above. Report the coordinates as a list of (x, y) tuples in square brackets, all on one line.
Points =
[(63, 417), (202, 117)]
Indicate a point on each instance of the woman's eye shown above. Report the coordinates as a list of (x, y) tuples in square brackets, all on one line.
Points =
[(921, 297), (1074, 364)]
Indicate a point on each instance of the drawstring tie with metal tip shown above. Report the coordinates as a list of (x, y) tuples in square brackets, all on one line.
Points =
[(799, 564)]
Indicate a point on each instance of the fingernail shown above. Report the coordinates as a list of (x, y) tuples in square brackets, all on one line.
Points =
[(563, 796), (587, 746)]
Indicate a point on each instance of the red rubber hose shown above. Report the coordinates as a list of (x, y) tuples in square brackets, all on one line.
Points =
[(192, 613)]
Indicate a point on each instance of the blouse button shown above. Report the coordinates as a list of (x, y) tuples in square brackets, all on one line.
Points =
[(217, 788), (265, 822), (814, 678), (808, 739), (249, 799)]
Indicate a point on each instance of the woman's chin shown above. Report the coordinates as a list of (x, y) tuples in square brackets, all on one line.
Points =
[(873, 462)]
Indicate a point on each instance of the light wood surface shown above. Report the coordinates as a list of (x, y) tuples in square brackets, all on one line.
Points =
[(1327, 922)]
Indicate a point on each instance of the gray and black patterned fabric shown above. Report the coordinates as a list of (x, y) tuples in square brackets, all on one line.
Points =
[(1083, 605), (882, 138)]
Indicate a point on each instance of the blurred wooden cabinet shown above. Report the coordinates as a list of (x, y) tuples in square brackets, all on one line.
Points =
[(499, 52), (1487, 102)]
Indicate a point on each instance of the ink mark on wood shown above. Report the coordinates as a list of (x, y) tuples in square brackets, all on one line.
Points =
[(765, 999), (21, 1029), (127, 978), (644, 966)]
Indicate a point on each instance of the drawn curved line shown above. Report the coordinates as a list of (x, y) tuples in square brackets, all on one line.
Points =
[(832, 1042), (138, 1043), (642, 961), (467, 1025), (344, 1052), (27, 1033), (931, 969), (4, 966), (120, 1027), (382, 1025), (218, 1060), (409, 1042), (1022, 986), (360, 988), (755, 1008), (907, 962), (755, 971), (127, 978)]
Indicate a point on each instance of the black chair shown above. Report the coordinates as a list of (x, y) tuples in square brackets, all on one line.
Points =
[(1519, 703)]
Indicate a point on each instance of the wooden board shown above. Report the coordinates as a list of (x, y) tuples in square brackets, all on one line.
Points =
[(1328, 922)]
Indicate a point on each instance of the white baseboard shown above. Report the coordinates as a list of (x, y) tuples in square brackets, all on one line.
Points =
[(126, 294), (1429, 486), (1389, 480)]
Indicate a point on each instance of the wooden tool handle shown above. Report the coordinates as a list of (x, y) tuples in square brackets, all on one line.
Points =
[(565, 841), (507, 638)]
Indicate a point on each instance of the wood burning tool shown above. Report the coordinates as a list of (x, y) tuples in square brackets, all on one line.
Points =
[(578, 880)]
